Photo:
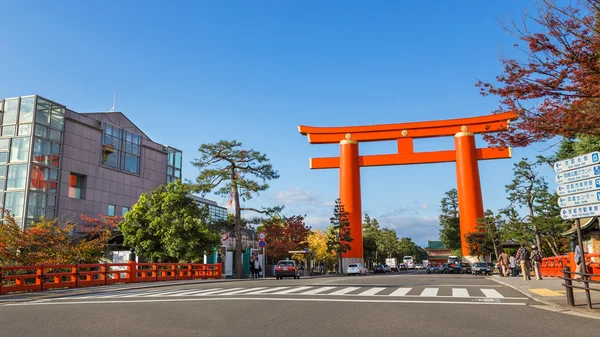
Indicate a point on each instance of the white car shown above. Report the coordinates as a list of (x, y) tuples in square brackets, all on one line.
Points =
[(418, 266), (356, 269)]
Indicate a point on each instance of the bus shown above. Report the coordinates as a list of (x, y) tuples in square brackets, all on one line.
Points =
[(409, 261)]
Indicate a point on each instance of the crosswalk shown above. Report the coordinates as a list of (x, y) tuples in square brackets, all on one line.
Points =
[(313, 291)]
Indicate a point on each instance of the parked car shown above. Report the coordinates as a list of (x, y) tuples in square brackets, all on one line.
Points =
[(356, 269), (433, 269), (465, 268), (481, 268), (403, 266), (286, 268), (418, 266), (378, 269), (387, 268)]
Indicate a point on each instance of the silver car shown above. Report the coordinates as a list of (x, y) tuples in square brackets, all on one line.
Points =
[(481, 268)]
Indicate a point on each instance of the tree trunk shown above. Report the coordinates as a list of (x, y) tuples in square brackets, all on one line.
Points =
[(538, 238), (238, 265), (552, 246)]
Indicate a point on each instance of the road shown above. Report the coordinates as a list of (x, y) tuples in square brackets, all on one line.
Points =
[(409, 303)]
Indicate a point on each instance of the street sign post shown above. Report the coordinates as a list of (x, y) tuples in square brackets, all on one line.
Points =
[(262, 244), (577, 162), (579, 190)]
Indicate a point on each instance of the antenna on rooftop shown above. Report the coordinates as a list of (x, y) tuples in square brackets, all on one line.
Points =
[(114, 103)]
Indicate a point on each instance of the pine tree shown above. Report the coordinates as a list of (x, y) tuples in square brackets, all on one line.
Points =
[(339, 237)]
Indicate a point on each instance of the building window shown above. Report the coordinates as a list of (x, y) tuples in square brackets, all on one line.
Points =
[(19, 150), (10, 111), (37, 205), (41, 151), (24, 130), (8, 131), (15, 202), (39, 178), (124, 210), (16, 177), (111, 146), (111, 210), (4, 144), (42, 114), (26, 110), (132, 148), (173, 164), (77, 186), (121, 149)]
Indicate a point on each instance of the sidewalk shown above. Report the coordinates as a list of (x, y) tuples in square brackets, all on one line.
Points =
[(550, 291)]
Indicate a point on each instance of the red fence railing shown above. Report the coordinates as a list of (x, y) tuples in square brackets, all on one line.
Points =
[(44, 277), (553, 266)]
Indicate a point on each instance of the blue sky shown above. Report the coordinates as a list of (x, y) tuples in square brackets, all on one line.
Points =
[(196, 72)]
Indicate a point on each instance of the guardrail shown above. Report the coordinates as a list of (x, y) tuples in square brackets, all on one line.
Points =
[(44, 277), (554, 266), (586, 278)]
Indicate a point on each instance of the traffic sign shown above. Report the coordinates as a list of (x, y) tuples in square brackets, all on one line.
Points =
[(580, 212), (262, 244), (577, 162), (262, 236), (579, 199), (579, 186), (578, 174)]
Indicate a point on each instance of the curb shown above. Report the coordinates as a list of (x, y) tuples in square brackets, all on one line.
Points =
[(560, 308)]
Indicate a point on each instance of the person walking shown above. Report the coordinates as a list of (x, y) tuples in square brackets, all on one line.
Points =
[(257, 268), (536, 261), (252, 272), (513, 266), (577, 262), (523, 258), (504, 263)]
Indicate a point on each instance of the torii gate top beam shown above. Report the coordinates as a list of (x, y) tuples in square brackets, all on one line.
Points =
[(429, 129)]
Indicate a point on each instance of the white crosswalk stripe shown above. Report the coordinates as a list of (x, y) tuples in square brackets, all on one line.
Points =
[(371, 291), (460, 292), (312, 290), (430, 292), (491, 293)]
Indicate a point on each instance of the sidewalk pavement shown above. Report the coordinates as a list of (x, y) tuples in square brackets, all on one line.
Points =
[(550, 291)]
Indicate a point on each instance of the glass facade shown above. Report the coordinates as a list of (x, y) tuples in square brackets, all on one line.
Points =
[(121, 149), (29, 190), (173, 164)]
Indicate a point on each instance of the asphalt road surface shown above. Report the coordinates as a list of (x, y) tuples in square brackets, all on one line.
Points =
[(399, 304)]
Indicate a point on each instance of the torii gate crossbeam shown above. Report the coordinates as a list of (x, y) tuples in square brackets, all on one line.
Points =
[(466, 155)]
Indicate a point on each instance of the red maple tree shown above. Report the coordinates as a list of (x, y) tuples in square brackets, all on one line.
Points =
[(555, 90), (284, 235)]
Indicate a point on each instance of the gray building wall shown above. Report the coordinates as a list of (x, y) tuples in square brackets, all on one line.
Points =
[(82, 144)]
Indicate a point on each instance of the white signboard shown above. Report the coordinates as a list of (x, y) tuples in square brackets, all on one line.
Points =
[(580, 212), (579, 186), (577, 162), (578, 174), (579, 199)]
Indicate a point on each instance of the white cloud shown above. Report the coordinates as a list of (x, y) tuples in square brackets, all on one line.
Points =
[(298, 196), (418, 228)]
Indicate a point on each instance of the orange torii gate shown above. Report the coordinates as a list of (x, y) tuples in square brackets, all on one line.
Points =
[(466, 156)]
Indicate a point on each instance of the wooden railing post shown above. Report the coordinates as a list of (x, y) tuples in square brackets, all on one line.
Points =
[(40, 276), (104, 274), (75, 272), (132, 271), (1, 274)]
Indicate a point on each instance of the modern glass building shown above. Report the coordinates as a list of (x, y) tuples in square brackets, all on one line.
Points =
[(60, 163), (216, 212)]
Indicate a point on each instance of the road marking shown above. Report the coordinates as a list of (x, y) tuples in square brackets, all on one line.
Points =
[(265, 299), (344, 291), (491, 293), (460, 292), (430, 292), (316, 291), (546, 292), (266, 290), (214, 292), (195, 292), (242, 291), (371, 291), (400, 292), (168, 293), (290, 290)]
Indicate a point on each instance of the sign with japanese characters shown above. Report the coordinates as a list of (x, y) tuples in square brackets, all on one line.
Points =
[(577, 162), (580, 212), (579, 199), (578, 174), (579, 187)]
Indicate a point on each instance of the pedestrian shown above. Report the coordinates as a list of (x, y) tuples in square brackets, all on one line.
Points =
[(257, 268), (513, 266), (505, 263), (578, 262), (252, 267), (536, 261), (523, 258)]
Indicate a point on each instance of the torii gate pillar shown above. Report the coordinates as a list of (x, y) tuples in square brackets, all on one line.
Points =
[(350, 197), (468, 186)]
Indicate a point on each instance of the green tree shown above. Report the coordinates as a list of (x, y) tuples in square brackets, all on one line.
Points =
[(529, 190), (449, 221), (169, 226), (550, 225), (339, 238), (387, 243), (228, 168), (370, 237)]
